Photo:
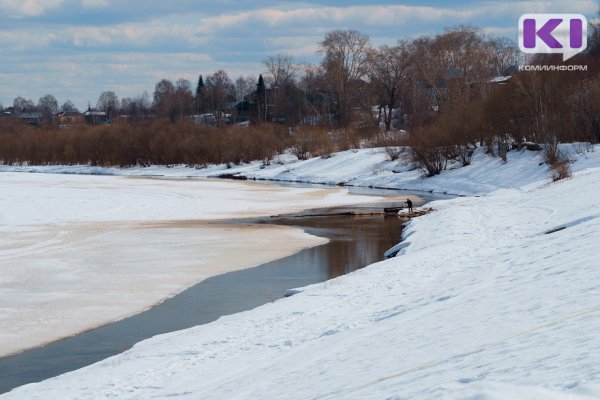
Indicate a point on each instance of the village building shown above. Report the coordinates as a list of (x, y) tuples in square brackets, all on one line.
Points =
[(67, 119)]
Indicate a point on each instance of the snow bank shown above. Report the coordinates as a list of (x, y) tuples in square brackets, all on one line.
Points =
[(369, 167), (482, 304)]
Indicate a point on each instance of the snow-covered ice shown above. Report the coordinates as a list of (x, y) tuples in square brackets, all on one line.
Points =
[(81, 251), (482, 303)]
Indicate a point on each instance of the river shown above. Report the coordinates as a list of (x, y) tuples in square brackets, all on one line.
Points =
[(354, 242)]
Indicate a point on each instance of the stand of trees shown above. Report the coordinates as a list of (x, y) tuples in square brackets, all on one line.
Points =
[(450, 92)]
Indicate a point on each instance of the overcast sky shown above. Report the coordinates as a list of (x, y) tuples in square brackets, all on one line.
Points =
[(75, 49)]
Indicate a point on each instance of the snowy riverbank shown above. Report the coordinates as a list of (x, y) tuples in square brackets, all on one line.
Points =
[(365, 168), (483, 303)]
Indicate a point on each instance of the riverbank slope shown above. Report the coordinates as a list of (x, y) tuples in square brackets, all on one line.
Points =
[(369, 167)]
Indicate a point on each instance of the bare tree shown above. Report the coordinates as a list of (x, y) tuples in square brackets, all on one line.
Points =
[(136, 108), (220, 89), (68, 106), (22, 105), (109, 103), (452, 64), (390, 70), (143, 103), (281, 75), (281, 69), (345, 63), (504, 55), (127, 106), (164, 92), (184, 98), (48, 106), (244, 86), (316, 106)]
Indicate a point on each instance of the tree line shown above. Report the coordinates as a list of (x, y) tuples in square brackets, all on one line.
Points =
[(450, 92), (352, 77)]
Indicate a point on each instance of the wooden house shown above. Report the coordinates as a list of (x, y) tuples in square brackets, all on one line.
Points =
[(67, 119)]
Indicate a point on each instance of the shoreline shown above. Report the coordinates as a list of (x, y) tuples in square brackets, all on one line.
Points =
[(152, 285)]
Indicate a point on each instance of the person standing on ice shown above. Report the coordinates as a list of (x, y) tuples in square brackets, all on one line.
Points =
[(409, 204)]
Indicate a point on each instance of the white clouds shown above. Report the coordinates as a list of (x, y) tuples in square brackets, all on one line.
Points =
[(522, 7), (89, 36), (383, 15), (372, 15), (165, 40), (95, 3), (27, 8), (141, 36)]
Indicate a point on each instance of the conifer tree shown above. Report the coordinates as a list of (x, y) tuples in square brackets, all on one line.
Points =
[(261, 99), (200, 95)]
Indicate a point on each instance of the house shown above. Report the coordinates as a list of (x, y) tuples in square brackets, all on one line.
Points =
[(94, 117), (32, 118), (240, 111), (126, 118), (67, 119), (203, 119)]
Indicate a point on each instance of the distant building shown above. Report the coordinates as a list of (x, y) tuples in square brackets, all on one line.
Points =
[(203, 119), (125, 118), (67, 119), (94, 117), (239, 111), (318, 119), (7, 112), (32, 118)]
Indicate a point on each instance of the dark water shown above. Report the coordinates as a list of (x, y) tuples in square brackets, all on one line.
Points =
[(355, 242)]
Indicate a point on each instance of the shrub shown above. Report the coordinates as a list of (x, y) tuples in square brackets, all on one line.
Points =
[(560, 170), (557, 160), (312, 142), (431, 159), (158, 142), (394, 152)]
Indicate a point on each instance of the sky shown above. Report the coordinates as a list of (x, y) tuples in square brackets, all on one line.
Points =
[(76, 49)]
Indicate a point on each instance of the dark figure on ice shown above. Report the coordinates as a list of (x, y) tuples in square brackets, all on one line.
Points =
[(409, 204)]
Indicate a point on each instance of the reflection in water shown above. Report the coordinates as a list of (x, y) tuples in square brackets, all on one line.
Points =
[(355, 242)]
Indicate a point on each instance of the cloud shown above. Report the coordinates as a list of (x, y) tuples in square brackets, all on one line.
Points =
[(78, 48), (95, 3), (372, 15), (27, 8), (147, 36)]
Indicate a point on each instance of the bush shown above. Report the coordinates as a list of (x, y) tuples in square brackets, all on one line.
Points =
[(159, 142), (312, 142), (394, 153), (560, 170), (431, 159), (551, 153), (557, 160)]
